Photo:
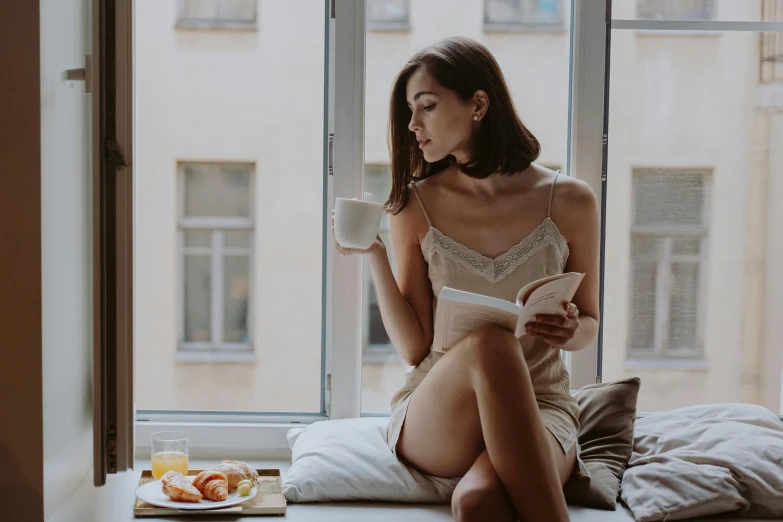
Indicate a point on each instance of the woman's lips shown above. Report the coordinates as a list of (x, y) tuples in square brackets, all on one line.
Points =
[(424, 143)]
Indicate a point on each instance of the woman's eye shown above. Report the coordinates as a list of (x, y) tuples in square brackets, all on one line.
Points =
[(429, 107)]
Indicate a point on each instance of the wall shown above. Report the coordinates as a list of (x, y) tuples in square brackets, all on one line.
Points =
[(66, 235), (21, 428)]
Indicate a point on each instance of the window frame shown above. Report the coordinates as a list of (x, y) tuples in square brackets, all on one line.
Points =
[(225, 434), (661, 352), (525, 26), (186, 22), (215, 350)]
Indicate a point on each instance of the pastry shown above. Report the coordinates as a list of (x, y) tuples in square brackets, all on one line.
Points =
[(212, 484), (236, 471), (178, 488)]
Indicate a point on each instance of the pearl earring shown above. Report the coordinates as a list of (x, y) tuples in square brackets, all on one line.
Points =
[(475, 117)]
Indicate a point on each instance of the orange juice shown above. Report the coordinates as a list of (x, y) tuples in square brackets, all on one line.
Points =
[(169, 460)]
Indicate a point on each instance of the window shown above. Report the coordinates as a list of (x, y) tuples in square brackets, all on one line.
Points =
[(376, 345), (217, 13), (668, 247), (676, 9), (216, 238), (510, 15), (388, 14)]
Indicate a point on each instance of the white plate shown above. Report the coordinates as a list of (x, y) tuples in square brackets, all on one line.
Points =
[(152, 493)]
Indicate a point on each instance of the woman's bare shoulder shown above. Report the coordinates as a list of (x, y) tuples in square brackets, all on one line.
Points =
[(574, 205), (409, 223)]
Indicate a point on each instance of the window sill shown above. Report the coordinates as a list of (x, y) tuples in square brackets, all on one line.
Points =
[(216, 24), (673, 364), (525, 28), (214, 357)]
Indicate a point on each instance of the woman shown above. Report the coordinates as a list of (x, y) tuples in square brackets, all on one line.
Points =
[(494, 410)]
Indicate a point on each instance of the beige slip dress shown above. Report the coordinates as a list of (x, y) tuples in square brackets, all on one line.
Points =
[(542, 253)]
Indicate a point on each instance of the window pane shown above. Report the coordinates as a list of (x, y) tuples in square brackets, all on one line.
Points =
[(235, 299), (688, 10), (644, 247), (671, 199), (643, 303), (198, 302), (692, 165), (213, 191), (387, 11), (684, 308), (686, 246), (200, 9), (676, 10), (229, 145), (536, 68), (198, 238), (237, 239), (238, 10), (523, 12)]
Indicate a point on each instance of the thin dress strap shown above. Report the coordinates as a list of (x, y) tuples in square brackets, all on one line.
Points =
[(418, 198), (551, 194)]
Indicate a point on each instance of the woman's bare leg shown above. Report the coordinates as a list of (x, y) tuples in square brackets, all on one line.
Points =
[(481, 496), (480, 395)]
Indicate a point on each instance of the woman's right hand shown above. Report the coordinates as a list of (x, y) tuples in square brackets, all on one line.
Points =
[(376, 247)]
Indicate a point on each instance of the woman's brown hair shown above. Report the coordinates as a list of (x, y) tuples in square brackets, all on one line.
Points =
[(503, 144)]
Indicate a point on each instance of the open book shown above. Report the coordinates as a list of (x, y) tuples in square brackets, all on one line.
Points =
[(458, 313)]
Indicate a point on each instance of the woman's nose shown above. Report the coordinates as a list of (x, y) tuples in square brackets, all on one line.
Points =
[(414, 125)]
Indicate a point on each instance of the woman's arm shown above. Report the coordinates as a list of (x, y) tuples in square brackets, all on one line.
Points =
[(575, 211), (405, 302)]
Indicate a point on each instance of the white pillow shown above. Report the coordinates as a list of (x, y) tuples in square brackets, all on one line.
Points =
[(349, 459), (704, 460)]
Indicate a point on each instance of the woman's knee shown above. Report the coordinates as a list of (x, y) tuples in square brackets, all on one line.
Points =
[(480, 502), (492, 348)]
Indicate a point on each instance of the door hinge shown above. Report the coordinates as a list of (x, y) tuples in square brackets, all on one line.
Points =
[(332, 9), (331, 155)]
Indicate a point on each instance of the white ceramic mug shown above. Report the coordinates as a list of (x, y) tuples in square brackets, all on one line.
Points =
[(356, 222)]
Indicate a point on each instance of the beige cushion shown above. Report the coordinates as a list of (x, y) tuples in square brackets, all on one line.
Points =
[(606, 423)]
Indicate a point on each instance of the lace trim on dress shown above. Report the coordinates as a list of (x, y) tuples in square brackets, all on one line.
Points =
[(494, 270)]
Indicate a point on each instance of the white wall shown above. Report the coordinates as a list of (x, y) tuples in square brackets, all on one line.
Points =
[(65, 252)]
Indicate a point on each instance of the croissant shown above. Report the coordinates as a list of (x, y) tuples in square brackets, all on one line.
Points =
[(178, 488), (212, 484), (236, 471)]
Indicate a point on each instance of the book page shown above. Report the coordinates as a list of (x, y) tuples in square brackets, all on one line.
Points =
[(454, 321), (548, 299)]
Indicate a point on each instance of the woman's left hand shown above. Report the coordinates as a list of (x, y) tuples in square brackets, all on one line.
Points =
[(556, 330)]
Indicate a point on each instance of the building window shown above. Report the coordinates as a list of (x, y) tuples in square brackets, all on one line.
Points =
[(216, 257), (676, 9), (388, 14), (523, 15), (217, 13), (668, 263)]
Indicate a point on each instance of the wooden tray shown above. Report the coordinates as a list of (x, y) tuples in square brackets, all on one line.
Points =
[(268, 501)]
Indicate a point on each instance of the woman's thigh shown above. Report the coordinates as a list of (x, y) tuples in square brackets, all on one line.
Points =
[(441, 434)]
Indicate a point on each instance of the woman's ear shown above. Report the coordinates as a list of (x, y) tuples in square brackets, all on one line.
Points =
[(480, 103)]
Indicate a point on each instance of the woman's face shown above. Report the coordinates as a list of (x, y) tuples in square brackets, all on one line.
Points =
[(442, 122)]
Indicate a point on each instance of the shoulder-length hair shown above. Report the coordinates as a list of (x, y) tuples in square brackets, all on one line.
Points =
[(503, 145)]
